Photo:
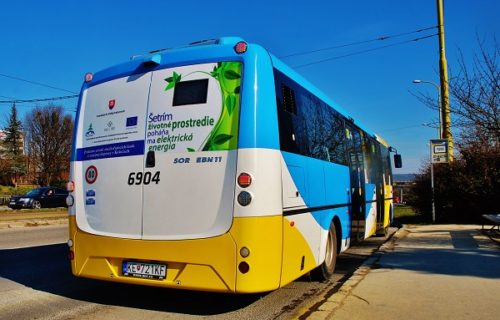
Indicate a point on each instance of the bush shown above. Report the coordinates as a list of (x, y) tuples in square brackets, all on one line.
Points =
[(10, 191), (464, 189)]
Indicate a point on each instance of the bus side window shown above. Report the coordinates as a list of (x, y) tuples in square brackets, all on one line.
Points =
[(289, 100)]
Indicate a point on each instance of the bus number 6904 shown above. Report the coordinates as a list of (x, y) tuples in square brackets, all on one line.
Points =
[(147, 177)]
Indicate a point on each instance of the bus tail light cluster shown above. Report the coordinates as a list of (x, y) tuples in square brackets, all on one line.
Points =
[(244, 267), (70, 187), (244, 198), (244, 181), (244, 252)]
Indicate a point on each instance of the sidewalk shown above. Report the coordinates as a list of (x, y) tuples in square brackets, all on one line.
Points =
[(425, 272), (31, 218)]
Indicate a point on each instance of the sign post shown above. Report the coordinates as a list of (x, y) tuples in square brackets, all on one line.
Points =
[(439, 154)]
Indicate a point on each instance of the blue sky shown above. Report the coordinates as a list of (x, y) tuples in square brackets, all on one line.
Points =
[(57, 42)]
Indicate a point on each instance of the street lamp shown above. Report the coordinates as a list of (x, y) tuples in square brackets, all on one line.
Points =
[(440, 136), (440, 132)]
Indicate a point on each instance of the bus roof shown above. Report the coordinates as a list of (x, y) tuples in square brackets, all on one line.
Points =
[(213, 49)]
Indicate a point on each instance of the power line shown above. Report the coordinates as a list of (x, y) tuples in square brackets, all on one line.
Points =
[(431, 125), (7, 97), (381, 38), (36, 83), (40, 99), (363, 51)]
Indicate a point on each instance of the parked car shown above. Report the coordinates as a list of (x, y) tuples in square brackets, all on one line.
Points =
[(45, 197)]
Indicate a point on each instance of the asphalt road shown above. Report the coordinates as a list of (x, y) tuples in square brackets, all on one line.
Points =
[(36, 283)]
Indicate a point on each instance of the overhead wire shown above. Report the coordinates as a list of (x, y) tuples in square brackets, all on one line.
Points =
[(39, 99), (363, 51), (381, 38), (35, 83), (430, 125), (18, 101)]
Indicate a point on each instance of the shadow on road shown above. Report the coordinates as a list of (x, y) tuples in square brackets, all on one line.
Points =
[(446, 252), (47, 269), (453, 262)]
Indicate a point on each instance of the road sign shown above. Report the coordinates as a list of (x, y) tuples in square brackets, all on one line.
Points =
[(439, 151)]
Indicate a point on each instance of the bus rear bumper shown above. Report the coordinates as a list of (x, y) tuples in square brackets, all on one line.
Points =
[(210, 264), (191, 264)]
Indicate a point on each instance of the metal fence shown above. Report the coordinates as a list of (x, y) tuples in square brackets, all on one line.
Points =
[(4, 200)]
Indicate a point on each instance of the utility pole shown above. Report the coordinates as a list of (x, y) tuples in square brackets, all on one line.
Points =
[(443, 77)]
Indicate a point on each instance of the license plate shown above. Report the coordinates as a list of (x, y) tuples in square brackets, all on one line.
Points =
[(144, 270)]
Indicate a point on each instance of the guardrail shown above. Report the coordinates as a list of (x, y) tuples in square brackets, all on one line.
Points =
[(4, 200)]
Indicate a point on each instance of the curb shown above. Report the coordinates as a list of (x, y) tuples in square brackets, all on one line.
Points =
[(330, 302), (32, 223)]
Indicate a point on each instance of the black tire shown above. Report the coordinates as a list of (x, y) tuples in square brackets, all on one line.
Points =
[(382, 232), (36, 204), (327, 268)]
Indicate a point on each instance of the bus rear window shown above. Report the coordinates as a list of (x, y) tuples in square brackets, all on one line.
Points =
[(190, 92)]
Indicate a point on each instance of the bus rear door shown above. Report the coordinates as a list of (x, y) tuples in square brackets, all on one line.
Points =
[(110, 145), (191, 138)]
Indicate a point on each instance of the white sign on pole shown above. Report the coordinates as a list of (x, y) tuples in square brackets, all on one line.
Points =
[(439, 151)]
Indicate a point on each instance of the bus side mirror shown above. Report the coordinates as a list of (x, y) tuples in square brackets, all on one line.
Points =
[(398, 162)]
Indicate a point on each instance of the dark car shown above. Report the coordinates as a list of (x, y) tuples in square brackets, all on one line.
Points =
[(45, 197)]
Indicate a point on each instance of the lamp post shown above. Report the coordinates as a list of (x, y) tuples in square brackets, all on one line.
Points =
[(440, 136), (440, 132)]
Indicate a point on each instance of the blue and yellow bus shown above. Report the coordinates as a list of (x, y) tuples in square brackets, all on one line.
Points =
[(216, 167)]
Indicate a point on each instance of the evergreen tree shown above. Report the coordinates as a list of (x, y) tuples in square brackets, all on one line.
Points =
[(13, 135), (12, 151)]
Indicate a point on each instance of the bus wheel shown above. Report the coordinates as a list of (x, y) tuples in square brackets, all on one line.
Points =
[(384, 232), (326, 269)]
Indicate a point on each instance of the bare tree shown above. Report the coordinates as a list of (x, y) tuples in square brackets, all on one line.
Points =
[(476, 93), (474, 97), (49, 142), (469, 187)]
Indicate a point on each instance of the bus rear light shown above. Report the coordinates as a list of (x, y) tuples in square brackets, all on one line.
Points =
[(70, 201), (70, 243), (244, 252), (244, 180), (244, 198), (243, 267), (241, 47), (71, 255), (89, 76), (70, 186)]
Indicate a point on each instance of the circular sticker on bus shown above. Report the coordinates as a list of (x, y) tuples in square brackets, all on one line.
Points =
[(91, 174)]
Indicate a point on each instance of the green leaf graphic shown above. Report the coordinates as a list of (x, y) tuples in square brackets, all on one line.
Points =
[(222, 138), (177, 77), (191, 150), (170, 86), (237, 90), (215, 73), (231, 75), (230, 103), (172, 80)]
